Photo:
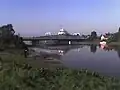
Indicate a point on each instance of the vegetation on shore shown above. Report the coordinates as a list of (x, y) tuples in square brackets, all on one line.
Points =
[(8, 38)]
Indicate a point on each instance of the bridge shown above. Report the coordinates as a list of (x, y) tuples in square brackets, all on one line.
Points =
[(55, 39)]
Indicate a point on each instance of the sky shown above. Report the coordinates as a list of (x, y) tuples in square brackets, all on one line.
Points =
[(35, 17)]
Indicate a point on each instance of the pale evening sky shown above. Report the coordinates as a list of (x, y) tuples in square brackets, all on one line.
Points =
[(35, 17)]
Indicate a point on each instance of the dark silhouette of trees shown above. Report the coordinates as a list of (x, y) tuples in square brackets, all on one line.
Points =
[(7, 33), (119, 29), (8, 37), (93, 35), (115, 37), (93, 48)]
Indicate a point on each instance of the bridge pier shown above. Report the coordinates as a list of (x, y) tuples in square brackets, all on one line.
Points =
[(69, 42), (64, 42), (34, 42)]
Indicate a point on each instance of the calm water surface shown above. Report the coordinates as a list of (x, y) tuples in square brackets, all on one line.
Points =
[(105, 61)]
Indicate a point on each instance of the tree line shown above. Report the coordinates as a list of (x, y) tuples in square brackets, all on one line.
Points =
[(8, 37)]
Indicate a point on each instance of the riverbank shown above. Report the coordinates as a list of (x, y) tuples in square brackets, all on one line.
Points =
[(16, 74), (114, 43)]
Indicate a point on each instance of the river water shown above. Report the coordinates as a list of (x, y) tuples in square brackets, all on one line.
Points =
[(103, 60)]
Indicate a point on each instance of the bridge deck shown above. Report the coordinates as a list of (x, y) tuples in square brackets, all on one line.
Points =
[(57, 37)]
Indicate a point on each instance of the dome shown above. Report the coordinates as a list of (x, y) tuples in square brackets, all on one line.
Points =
[(61, 30), (48, 33)]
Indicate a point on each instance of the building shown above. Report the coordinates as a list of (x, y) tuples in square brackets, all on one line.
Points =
[(77, 34), (63, 32), (48, 34), (103, 37)]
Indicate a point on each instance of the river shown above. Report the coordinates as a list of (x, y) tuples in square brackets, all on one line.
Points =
[(105, 61)]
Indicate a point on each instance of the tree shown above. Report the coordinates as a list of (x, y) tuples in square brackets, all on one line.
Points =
[(7, 33), (115, 37), (119, 29), (8, 37), (93, 35)]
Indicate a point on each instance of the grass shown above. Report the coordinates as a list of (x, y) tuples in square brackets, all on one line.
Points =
[(16, 74), (114, 43)]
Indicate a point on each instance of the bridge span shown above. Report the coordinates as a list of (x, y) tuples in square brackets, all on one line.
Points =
[(55, 39)]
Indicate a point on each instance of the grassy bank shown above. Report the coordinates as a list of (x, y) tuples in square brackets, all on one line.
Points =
[(114, 43), (16, 74)]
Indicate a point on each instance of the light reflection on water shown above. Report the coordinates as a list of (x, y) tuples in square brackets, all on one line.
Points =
[(105, 61)]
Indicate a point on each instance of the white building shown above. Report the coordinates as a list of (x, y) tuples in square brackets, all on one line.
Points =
[(63, 32), (48, 33), (103, 37), (78, 34)]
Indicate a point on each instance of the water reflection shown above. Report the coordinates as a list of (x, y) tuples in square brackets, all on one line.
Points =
[(117, 49), (93, 48), (62, 50), (110, 48), (106, 47), (55, 52), (105, 59), (118, 53)]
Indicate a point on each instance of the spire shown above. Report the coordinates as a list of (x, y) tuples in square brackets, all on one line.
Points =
[(61, 26)]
